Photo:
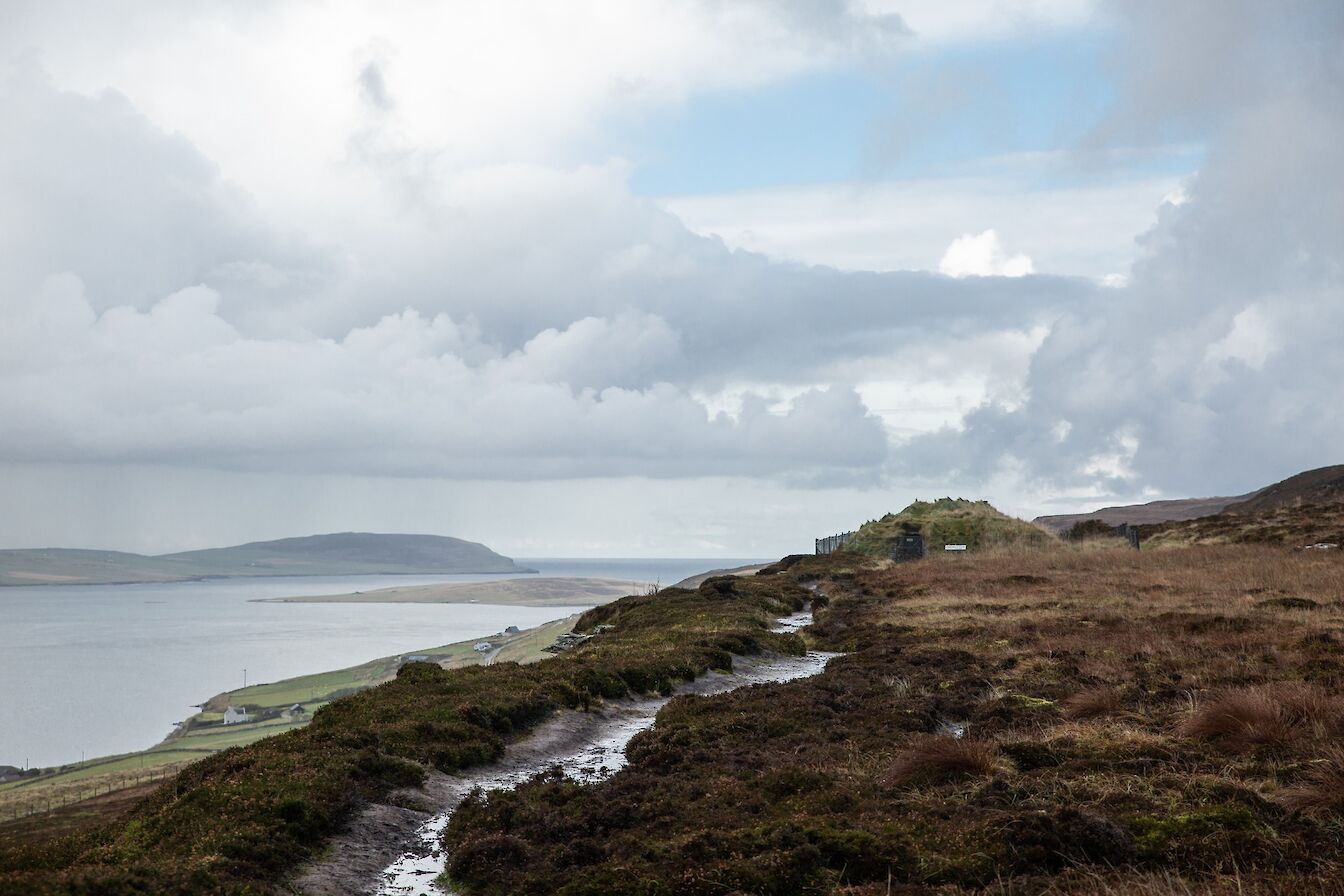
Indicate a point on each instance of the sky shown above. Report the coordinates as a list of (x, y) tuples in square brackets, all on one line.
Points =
[(657, 278)]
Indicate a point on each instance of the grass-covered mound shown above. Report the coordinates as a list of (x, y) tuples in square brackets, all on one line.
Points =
[(945, 521), (1160, 724), (241, 821)]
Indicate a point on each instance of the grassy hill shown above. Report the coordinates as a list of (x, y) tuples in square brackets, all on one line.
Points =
[(345, 553), (976, 524)]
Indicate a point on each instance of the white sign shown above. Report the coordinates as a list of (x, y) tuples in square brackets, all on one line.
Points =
[(954, 547)]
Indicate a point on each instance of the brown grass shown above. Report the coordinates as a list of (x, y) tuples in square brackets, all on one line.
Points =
[(1110, 694), (1320, 791), (1092, 703), (1270, 715), (938, 759)]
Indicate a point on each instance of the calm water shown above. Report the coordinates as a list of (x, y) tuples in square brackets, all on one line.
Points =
[(99, 669)]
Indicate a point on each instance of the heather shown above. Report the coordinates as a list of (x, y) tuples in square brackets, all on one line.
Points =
[(1081, 720)]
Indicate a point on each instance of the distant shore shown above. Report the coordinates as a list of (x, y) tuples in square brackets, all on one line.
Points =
[(529, 592), (694, 581)]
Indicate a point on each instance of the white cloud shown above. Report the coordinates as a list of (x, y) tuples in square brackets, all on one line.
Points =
[(406, 396), (1250, 340), (456, 85), (306, 239), (520, 321), (982, 255), (1215, 368), (1084, 231)]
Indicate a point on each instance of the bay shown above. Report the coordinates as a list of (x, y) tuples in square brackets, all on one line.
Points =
[(95, 670)]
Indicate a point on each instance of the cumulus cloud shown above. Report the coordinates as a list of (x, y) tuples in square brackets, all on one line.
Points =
[(405, 396), (520, 321), (982, 255), (419, 273), (908, 224), (1216, 367)]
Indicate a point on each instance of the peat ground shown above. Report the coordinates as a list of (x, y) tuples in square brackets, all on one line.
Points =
[(1162, 722)]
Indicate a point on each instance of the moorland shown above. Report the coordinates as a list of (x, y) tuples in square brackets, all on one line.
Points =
[(1033, 716)]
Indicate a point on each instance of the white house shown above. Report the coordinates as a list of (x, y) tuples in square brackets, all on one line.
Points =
[(235, 714), (484, 647)]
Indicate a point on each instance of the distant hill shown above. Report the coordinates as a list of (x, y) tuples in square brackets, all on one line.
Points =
[(1321, 486), (345, 553), (946, 521), (1152, 512)]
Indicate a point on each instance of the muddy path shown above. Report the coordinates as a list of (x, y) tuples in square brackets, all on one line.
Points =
[(392, 848)]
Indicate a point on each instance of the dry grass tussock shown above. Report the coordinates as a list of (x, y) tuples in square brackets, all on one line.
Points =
[(1320, 791), (1093, 703), (937, 759), (1267, 715)]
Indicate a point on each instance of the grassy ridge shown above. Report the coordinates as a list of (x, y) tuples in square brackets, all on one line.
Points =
[(1166, 723), (242, 820)]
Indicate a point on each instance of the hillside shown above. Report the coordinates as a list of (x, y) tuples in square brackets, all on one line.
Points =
[(976, 524), (1290, 526), (349, 553), (345, 553), (1140, 514), (1320, 486), (1324, 485)]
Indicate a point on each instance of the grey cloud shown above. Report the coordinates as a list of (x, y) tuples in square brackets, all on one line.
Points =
[(1219, 367), (1187, 66), (838, 23), (563, 246), (532, 323), (94, 187), (373, 88), (178, 385)]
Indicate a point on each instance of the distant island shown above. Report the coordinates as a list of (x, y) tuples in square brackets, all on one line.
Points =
[(343, 553)]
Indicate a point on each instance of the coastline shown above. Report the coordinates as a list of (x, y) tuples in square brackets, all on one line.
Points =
[(37, 580), (204, 733), (113, 776), (546, 591)]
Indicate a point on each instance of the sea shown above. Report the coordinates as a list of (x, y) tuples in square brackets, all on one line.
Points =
[(97, 670)]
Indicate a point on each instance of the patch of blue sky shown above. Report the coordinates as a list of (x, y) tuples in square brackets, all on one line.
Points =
[(935, 113)]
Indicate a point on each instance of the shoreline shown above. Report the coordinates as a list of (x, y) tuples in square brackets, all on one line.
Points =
[(546, 591), (71, 581), (203, 734)]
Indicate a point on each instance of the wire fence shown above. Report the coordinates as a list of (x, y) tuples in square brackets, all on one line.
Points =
[(45, 799)]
